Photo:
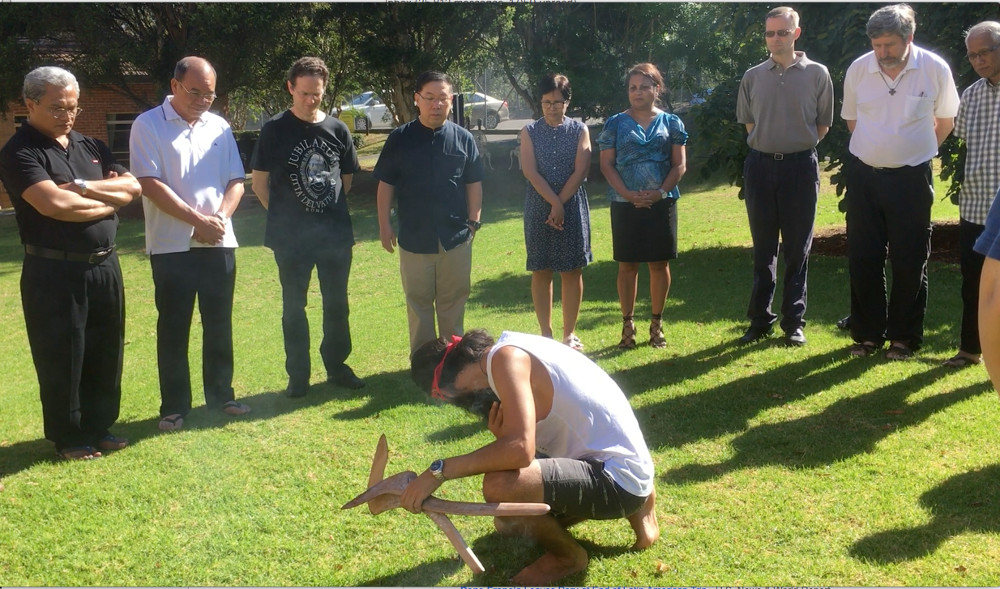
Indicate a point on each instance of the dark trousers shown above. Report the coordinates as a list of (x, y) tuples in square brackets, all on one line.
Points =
[(333, 268), (972, 269), (781, 202), (210, 275), (75, 318), (889, 211)]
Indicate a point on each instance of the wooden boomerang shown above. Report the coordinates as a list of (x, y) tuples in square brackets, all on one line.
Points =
[(383, 495)]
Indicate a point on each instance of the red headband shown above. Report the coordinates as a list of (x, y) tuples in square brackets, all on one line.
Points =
[(435, 390)]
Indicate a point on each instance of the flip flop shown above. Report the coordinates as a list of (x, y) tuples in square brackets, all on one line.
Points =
[(78, 453), (110, 442), (169, 423), (899, 351), (960, 361), (235, 408), (862, 349)]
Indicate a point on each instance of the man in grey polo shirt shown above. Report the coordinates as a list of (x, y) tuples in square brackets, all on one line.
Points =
[(786, 104), (900, 103)]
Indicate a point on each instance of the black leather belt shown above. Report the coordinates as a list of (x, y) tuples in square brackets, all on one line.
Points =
[(897, 170), (784, 156), (51, 254)]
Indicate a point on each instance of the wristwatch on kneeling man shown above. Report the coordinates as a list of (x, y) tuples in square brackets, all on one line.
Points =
[(437, 470)]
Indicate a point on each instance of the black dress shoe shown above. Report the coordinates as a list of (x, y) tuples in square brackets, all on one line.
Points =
[(844, 323), (296, 390), (795, 337), (346, 378), (755, 334)]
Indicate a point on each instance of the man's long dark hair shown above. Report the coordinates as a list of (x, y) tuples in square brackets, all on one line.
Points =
[(468, 351)]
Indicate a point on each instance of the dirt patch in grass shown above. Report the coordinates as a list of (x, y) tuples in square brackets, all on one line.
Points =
[(832, 241)]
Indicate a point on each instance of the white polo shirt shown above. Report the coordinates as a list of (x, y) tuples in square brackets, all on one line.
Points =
[(196, 161), (894, 130)]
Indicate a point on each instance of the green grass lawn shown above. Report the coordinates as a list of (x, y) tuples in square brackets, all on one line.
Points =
[(775, 466)]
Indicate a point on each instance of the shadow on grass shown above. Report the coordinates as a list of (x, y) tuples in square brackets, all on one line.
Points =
[(969, 502), (265, 405), (846, 428)]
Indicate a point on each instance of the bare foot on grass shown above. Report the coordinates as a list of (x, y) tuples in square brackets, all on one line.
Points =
[(647, 531), (550, 568)]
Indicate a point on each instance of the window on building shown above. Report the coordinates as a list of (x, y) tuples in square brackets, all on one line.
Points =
[(19, 120), (119, 128)]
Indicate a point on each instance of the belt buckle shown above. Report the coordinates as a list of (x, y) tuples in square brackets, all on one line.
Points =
[(97, 257), (779, 156)]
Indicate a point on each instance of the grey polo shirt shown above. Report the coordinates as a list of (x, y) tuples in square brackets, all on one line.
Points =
[(785, 106)]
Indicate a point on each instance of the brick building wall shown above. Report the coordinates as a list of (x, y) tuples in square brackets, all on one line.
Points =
[(106, 115)]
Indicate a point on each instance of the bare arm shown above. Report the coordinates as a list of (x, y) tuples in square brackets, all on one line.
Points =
[(165, 199), (232, 197), (383, 199), (347, 180), (851, 123), (512, 421), (63, 204), (989, 318), (943, 128), (612, 177), (821, 131), (581, 167), (114, 190), (750, 127), (259, 179), (678, 167)]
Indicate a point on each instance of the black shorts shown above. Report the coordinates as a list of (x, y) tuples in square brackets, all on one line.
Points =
[(582, 488), (644, 235)]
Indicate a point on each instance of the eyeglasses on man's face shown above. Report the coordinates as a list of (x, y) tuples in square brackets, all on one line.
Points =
[(982, 54), (63, 113), (554, 103), (780, 33), (197, 95), (443, 99)]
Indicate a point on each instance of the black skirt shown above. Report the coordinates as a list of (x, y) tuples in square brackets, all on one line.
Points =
[(644, 235)]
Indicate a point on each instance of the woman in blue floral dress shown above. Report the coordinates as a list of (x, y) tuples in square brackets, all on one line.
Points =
[(643, 158), (555, 159)]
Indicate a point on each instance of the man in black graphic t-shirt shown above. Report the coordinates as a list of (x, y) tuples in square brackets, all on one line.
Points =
[(302, 170)]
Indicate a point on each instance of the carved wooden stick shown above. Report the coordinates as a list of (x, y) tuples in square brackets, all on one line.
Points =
[(383, 495)]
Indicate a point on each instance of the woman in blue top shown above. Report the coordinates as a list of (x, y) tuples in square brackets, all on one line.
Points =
[(643, 158), (555, 159)]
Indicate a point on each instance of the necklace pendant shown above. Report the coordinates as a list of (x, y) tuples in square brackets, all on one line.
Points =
[(892, 91)]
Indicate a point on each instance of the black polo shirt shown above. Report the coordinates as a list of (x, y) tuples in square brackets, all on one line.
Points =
[(429, 169), (30, 157)]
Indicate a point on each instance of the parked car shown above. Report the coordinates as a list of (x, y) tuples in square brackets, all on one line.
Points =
[(481, 106), (369, 109)]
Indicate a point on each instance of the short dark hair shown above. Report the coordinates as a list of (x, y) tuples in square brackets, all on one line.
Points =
[(186, 63), (785, 11), (553, 82), (308, 66), (426, 358), (432, 76)]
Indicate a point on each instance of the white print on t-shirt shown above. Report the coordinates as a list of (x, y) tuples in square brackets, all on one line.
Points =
[(317, 169)]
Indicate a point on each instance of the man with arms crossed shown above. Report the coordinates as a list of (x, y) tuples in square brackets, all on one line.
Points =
[(900, 103), (192, 181), (66, 190), (303, 165), (431, 168), (786, 104)]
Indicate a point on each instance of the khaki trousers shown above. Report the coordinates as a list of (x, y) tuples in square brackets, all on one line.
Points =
[(436, 284)]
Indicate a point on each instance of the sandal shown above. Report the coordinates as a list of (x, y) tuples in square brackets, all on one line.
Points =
[(656, 338), (961, 361), (78, 453), (235, 408), (111, 442), (899, 351), (863, 349), (628, 334), (169, 423), (573, 342)]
